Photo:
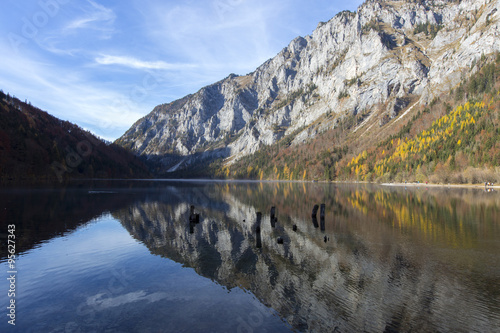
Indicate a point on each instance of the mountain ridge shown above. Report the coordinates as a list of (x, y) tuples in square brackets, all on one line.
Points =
[(37, 147), (378, 63)]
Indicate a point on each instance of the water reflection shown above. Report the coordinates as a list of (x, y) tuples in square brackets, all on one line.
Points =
[(377, 259), (41, 213)]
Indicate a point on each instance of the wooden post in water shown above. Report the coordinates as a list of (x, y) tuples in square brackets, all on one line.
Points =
[(257, 223), (315, 221), (258, 240), (257, 231), (273, 218), (193, 218), (322, 217), (315, 211)]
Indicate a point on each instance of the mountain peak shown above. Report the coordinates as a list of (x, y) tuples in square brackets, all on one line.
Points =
[(380, 62)]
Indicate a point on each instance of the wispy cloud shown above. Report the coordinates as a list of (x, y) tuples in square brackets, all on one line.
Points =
[(101, 301), (67, 94), (81, 65), (221, 36), (138, 64), (84, 26), (95, 17)]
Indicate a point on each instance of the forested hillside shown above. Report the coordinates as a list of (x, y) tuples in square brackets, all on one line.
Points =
[(35, 146), (456, 138)]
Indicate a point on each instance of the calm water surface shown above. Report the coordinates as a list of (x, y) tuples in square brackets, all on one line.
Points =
[(124, 257)]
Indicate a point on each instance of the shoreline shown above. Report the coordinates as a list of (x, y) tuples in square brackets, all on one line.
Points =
[(481, 186)]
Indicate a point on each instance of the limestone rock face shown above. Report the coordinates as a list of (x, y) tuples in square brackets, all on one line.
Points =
[(390, 54)]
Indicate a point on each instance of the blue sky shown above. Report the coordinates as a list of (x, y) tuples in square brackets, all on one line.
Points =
[(105, 64)]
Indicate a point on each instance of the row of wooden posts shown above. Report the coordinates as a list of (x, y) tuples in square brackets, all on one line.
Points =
[(194, 219), (274, 219)]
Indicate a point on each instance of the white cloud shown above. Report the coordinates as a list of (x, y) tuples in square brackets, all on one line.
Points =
[(138, 64), (95, 17), (70, 95), (221, 36), (83, 27), (105, 66), (102, 301)]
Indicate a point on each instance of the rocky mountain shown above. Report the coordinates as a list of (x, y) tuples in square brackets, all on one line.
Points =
[(35, 146), (377, 63)]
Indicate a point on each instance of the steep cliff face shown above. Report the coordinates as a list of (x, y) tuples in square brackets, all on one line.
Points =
[(379, 62)]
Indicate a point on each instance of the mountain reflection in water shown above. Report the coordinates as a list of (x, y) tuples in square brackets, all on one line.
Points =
[(383, 259)]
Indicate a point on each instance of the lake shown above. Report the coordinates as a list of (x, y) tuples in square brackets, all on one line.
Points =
[(127, 256)]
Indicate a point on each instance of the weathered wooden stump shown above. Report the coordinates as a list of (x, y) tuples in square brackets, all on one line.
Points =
[(315, 222), (193, 218), (315, 211), (257, 222), (258, 242)]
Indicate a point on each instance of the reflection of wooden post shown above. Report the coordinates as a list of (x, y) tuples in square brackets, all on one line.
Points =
[(315, 211), (257, 230), (322, 217), (193, 218), (315, 221), (257, 223), (273, 217)]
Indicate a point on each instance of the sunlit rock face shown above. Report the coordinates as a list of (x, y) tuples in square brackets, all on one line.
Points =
[(379, 261), (381, 60)]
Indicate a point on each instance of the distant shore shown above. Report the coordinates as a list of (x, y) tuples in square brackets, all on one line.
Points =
[(443, 185)]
